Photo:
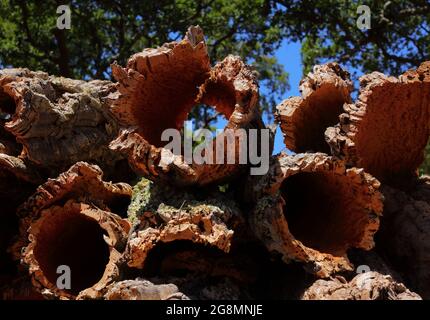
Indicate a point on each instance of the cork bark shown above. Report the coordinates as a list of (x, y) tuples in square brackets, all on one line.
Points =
[(55, 122), (75, 217), (303, 120), (196, 241), (311, 208), (405, 234), (157, 90), (365, 286), (162, 215), (386, 130)]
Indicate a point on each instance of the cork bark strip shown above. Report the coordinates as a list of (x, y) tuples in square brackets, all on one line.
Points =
[(56, 122), (157, 90), (71, 213), (303, 120), (310, 208), (386, 130)]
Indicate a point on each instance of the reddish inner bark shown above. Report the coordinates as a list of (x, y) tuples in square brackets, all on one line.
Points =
[(168, 105), (392, 135), (321, 110), (76, 241), (323, 212), (222, 96)]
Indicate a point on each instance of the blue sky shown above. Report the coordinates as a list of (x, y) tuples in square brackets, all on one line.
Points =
[(289, 56)]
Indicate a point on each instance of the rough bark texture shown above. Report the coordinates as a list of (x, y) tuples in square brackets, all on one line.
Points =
[(159, 87), (404, 237), (303, 120), (386, 130), (201, 245), (163, 215), (365, 286), (57, 121), (82, 237), (310, 208)]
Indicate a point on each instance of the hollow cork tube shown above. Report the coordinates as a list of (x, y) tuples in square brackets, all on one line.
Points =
[(386, 130), (311, 208), (86, 239), (74, 220), (157, 90), (303, 120)]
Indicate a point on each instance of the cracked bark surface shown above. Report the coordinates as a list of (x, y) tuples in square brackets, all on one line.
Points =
[(163, 215), (311, 208), (55, 122), (159, 87), (365, 286), (303, 120), (386, 130), (404, 237), (195, 243), (73, 218)]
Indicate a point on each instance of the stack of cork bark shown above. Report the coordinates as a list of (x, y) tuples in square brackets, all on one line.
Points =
[(86, 191)]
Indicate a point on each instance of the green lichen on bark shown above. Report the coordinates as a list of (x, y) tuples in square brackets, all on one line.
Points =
[(165, 201)]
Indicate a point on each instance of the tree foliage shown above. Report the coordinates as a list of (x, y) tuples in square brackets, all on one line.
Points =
[(104, 31)]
